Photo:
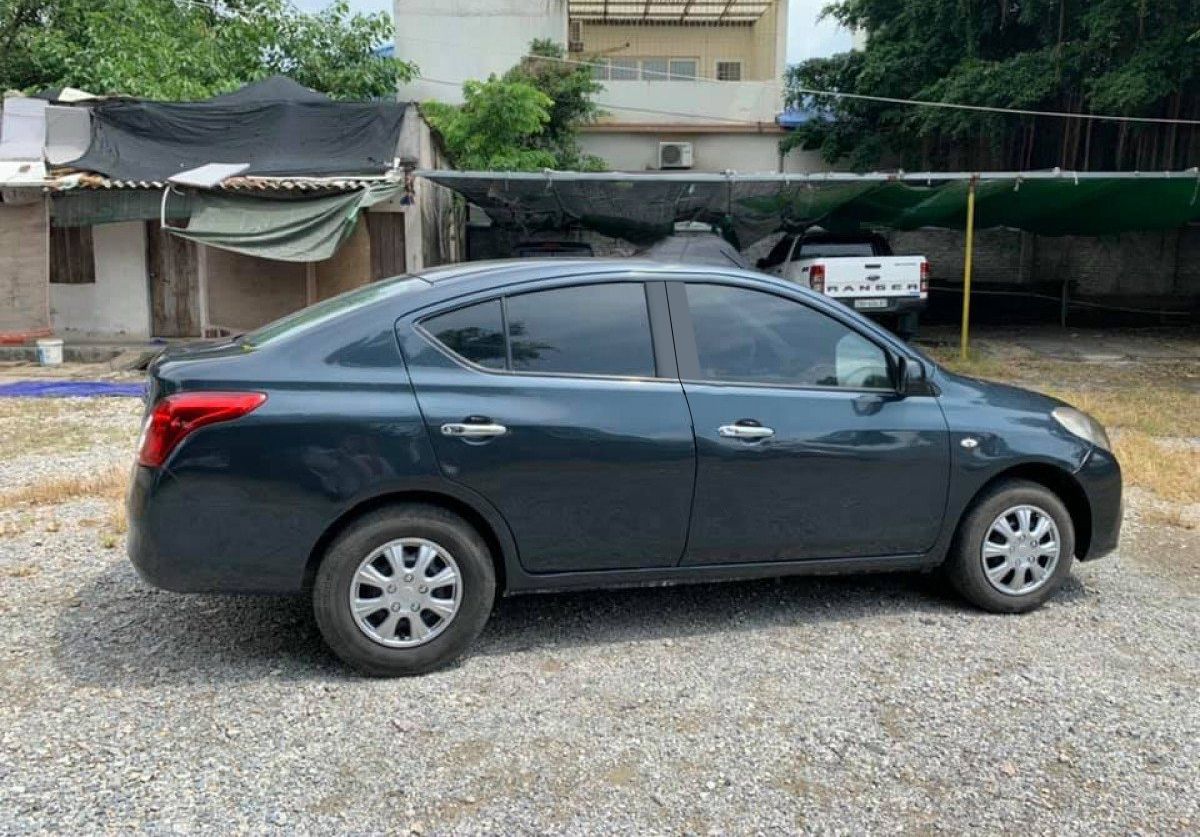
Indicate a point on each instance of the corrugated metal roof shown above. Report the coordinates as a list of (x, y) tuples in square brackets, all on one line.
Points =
[(232, 184), (669, 11)]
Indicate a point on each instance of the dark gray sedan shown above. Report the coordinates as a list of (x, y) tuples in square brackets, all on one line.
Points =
[(411, 450)]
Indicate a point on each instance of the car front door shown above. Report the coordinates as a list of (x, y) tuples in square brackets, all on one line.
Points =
[(805, 450), (562, 407)]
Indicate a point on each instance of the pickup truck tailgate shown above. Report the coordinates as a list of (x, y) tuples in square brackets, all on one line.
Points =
[(865, 277)]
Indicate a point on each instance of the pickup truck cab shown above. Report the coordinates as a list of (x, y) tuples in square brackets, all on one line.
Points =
[(857, 270)]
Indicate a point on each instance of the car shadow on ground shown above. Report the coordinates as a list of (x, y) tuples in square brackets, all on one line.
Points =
[(119, 632)]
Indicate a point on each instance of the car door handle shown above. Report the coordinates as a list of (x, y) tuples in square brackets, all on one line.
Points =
[(474, 431), (745, 431)]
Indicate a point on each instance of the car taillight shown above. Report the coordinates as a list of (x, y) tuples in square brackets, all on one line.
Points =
[(176, 416), (924, 277), (816, 278)]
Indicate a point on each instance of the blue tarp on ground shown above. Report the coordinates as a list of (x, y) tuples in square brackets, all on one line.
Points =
[(71, 389)]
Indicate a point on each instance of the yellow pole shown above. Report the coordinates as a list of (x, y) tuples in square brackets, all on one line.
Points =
[(967, 256)]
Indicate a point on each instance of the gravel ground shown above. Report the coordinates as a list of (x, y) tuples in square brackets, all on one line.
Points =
[(863, 704)]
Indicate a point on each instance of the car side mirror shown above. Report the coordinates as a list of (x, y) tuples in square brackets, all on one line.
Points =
[(910, 377)]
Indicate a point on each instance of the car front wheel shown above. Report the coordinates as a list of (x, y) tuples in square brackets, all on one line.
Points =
[(1013, 548), (404, 590)]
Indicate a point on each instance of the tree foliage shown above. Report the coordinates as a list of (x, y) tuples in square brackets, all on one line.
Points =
[(496, 127), (526, 120), (1124, 57), (187, 49)]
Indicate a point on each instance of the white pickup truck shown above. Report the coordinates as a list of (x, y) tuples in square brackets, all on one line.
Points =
[(857, 270)]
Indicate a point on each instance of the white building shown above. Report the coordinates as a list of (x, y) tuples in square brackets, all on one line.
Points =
[(687, 85)]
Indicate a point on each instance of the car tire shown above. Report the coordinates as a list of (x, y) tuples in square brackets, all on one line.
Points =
[(977, 570), (906, 325), (392, 537)]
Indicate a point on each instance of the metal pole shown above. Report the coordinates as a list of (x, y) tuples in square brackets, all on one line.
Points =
[(967, 256)]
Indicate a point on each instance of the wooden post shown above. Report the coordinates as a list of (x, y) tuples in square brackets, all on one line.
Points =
[(201, 285), (310, 283), (964, 336)]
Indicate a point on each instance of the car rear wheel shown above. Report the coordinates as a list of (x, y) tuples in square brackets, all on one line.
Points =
[(1013, 549), (906, 325), (404, 590)]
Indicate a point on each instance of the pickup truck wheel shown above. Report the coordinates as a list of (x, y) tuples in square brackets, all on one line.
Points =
[(1013, 549), (906, 325), (404, 590)]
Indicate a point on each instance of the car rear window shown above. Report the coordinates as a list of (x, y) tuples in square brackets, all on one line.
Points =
[(833, 249), (328, 309), (475, 333), (599, 329), (586, 330)]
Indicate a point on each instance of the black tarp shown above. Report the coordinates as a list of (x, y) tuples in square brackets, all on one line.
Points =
[(276, 125)]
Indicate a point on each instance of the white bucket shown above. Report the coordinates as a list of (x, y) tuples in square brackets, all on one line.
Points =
[(50, 351)]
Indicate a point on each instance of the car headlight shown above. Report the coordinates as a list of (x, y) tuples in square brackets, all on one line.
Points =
[(1083, 426)]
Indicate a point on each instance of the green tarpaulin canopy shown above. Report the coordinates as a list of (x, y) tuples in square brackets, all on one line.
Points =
[(641, 207), (291, 230)]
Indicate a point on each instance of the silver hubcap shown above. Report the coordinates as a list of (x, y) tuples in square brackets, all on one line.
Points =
[(406, 592), (1021, 550)]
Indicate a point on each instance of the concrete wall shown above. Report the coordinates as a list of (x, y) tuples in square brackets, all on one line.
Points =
[(690, 102), (348, 268), (245, 292), (456, 40), (24, 263), (1139, 264), (118, 303), (749, 152)]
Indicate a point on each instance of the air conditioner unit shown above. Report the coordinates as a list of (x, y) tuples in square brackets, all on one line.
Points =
[(674, 155)]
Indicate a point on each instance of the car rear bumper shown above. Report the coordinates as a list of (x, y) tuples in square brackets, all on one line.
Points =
[(180, 543), (1100, 478)]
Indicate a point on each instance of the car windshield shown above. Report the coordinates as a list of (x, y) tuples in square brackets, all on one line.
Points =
[(327, 309)]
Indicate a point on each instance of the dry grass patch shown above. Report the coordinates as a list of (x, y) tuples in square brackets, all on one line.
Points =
[(1171, 472), (1168, 516), (110, 484), (46, 425), (1153, 410)]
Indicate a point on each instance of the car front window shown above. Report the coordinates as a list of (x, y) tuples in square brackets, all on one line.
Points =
[(749, 336)]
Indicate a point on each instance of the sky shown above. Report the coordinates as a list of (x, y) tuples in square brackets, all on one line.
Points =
[(806, 36)]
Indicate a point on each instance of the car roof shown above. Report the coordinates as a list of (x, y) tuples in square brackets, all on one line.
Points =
[(497, 273)]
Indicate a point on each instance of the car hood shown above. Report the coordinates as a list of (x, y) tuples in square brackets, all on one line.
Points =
[(1001, 396)]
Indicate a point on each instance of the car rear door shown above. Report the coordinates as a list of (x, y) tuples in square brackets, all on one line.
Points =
[(804, 448), (563, 408)]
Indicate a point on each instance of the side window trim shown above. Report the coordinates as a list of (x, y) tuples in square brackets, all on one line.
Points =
[(508, 363), (665, 362), (657, 312), (688, 352)]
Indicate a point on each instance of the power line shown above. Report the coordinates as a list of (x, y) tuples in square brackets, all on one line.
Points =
[(739, 122), (990, 109)]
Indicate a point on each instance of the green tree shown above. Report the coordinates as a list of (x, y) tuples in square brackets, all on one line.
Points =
[(526, 120), (497, 127), (570, 87), (1124, 57), (188, 49)]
